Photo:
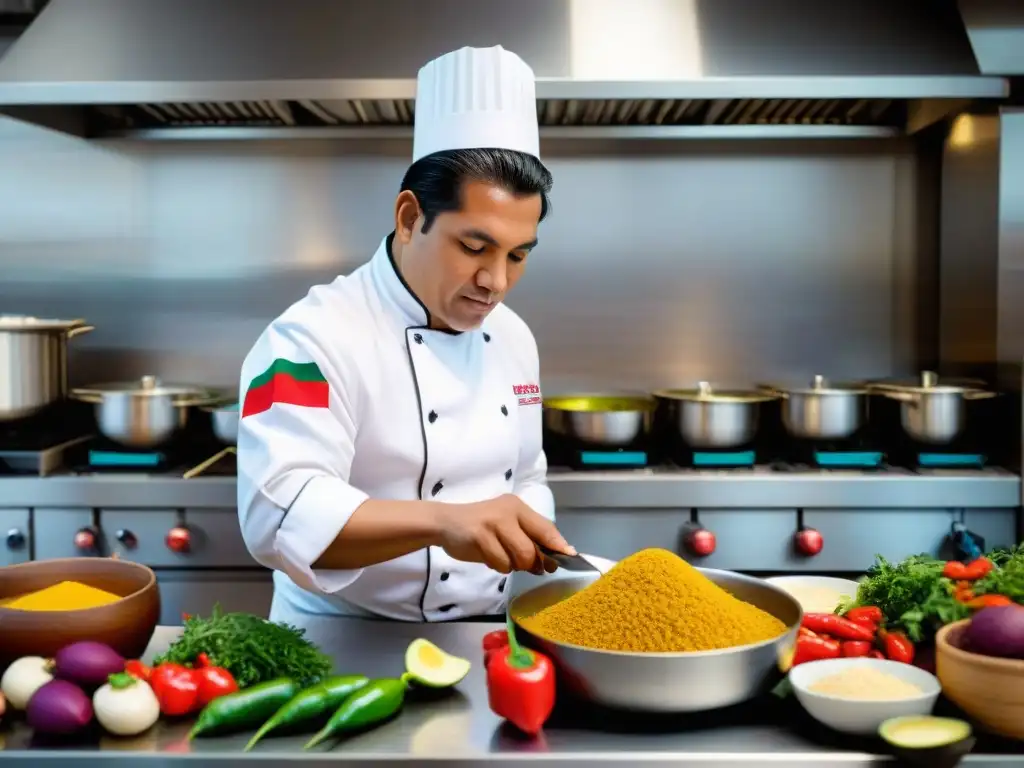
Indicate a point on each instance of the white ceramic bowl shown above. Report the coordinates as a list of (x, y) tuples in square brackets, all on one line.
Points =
[(861, 716), (795, 584)]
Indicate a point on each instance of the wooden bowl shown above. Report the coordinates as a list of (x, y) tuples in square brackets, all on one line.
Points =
[(126, 625), (990, 690)]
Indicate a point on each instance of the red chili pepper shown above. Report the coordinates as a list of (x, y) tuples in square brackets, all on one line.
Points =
[(955, 570), (213, 681), (978, 569), (989, 601), (855, 648), (815, 649), (176, 688), (865, 614), (876, 654), (138, 670), (521, 686), (897, 646), (837, 626), (805, 632)]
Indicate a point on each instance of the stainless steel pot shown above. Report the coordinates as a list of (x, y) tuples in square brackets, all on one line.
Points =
[(714, 419), (822, 411), (225, 421), (612, 421), (144, 413), (33, 363), (932, 411), (669, 682)]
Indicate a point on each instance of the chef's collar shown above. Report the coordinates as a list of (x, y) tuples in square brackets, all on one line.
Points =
[(396, 292)]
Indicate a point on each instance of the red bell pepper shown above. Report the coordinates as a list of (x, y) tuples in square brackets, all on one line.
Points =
[(138, 670), (521, 686), (176, 689), (213, 681)]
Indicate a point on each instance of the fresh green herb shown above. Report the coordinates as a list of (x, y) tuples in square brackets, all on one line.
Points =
[(1007, 578), (912, 594), (252, 649)]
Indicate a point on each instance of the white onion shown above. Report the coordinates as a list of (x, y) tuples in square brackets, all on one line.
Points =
[(23, 678)]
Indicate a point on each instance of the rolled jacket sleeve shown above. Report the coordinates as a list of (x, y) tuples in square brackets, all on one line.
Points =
[(296, 441)]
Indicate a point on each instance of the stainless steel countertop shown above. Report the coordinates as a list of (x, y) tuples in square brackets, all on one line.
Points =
[(459, 727), (758, 488)]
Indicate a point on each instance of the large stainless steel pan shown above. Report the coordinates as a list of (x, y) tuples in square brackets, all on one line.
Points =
[(932, 410), (144, 413), (664, 682), (33, 363), (823, 410), (224, 417), (611, 421), (711, 419)]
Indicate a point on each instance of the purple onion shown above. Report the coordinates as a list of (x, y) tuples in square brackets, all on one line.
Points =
[(87, 663), (59, 708), (997, 631)]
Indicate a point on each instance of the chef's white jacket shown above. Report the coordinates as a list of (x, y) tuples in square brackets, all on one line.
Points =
[(411, 413)]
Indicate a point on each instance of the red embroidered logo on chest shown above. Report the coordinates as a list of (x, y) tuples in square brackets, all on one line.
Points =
[(528, 394)]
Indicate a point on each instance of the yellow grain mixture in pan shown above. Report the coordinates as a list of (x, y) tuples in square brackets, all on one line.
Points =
[(654, 601)]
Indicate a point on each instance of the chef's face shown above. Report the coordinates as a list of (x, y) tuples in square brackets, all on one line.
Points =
[(468, 259)]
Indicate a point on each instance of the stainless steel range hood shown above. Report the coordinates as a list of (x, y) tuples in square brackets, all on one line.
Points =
[(153, 68)]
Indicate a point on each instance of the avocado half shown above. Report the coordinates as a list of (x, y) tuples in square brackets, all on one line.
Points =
[(429, 666), (935, 742)]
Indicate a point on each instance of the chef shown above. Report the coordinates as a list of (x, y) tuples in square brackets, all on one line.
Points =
[(389, 446)]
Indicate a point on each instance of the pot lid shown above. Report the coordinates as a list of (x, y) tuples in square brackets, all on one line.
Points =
[(820, 385), (149, 386), (705, 393), (929, 381), (28, 324)]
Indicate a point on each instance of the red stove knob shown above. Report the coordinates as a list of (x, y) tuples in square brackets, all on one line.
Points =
[(179, 539), (809, 542), (700, 542), (85, 540)]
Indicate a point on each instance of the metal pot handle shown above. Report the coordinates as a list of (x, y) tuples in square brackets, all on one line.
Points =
[(79, 330), (979, 394)]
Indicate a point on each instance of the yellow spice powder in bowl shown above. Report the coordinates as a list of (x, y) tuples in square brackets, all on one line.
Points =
[(858, 695)]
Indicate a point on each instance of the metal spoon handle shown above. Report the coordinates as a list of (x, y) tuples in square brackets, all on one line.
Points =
[(569, 562)]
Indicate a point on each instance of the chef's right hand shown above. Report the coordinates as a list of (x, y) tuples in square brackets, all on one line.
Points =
[(502, 533)]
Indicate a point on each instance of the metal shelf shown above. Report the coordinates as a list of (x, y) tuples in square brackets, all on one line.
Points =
[(654, 488)]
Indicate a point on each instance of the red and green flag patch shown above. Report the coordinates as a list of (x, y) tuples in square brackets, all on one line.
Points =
[(287, 383)]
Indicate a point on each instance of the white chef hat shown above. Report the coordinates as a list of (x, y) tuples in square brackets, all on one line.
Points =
[(476, 98)]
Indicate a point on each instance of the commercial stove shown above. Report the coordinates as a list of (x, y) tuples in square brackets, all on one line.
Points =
[(65, 492)]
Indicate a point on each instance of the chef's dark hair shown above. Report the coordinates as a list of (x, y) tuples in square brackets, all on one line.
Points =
[(437, 179)]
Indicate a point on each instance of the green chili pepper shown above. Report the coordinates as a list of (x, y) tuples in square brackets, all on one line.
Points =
[(375, 703), (310, 704), (244, 709)]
